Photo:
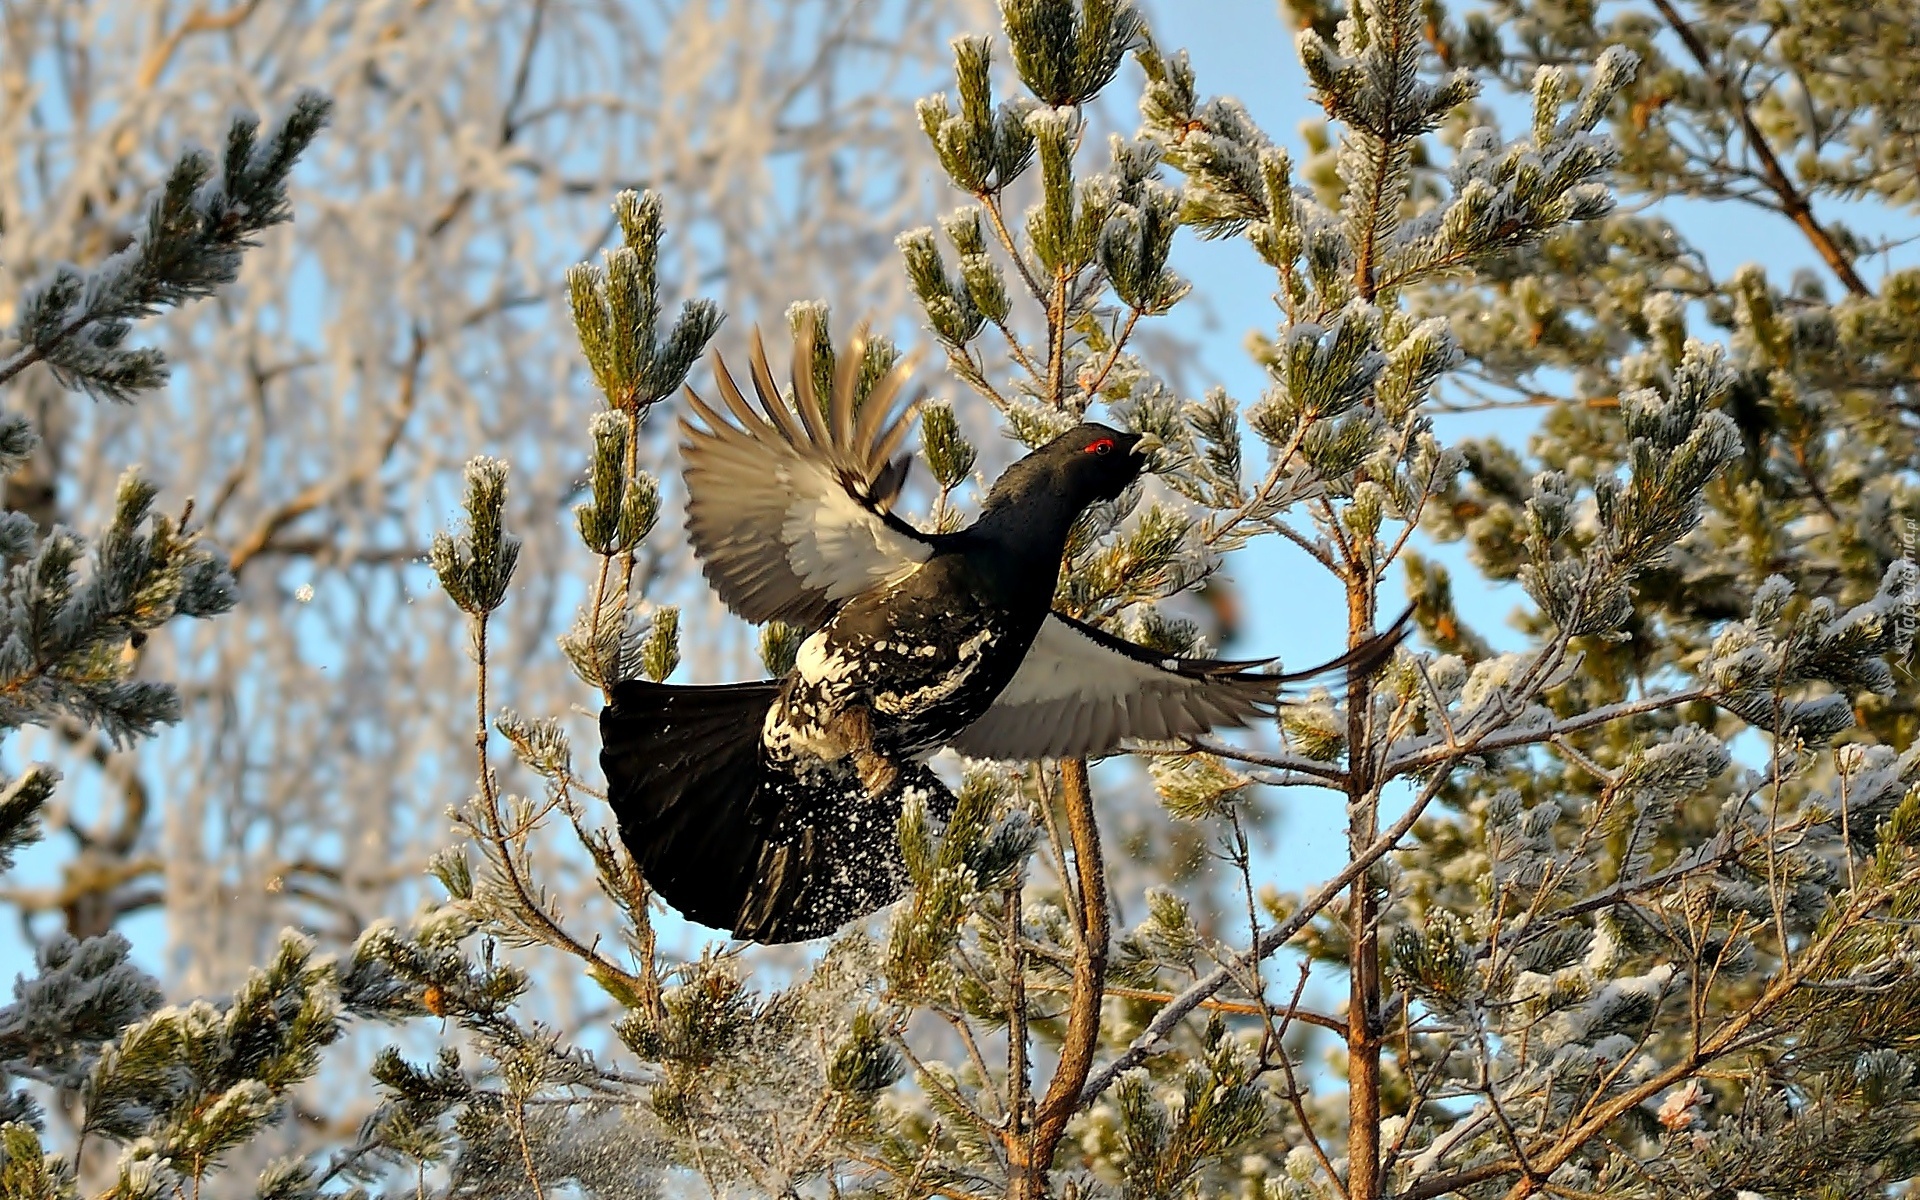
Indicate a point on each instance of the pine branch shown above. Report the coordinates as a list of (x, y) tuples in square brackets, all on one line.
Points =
[(197, 227), (1491, 738), (1269, 940), (1092, 937)]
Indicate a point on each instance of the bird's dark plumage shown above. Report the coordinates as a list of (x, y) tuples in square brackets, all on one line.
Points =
[(769, 809)]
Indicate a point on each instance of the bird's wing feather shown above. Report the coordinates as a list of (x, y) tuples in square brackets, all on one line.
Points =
[(790, 511), (1081, 693)]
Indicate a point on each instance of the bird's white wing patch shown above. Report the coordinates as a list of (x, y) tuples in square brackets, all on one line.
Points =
[(1082, 693), (842, 547), (1066, 665), (787, 504)]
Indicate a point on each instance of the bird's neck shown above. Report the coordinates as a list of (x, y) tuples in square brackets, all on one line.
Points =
[(1023, 537), (1021, 534), (1018, 548)]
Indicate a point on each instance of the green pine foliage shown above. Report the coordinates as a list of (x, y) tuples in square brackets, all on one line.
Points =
[(1624, 911), (198, 226), (104, 1089)]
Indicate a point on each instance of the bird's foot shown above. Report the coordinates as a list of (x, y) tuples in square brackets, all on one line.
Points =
[(853, 729), (877, 772)]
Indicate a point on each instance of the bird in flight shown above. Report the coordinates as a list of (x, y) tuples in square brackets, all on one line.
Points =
[(769, 809)]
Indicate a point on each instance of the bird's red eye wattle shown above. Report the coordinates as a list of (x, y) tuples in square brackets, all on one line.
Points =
[(1102, 446)]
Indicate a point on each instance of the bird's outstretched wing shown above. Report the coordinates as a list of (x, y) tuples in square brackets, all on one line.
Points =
[(1080, 693), (789, 510)]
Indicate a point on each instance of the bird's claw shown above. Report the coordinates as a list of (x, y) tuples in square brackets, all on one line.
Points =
[(853, 729), (877, 772)]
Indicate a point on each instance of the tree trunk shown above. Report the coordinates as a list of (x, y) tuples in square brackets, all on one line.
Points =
[(1363, 1005), (1033, 1140)]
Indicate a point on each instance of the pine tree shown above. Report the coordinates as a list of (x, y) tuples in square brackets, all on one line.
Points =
[(175, 1089), (1790, 112), (1592, 942)]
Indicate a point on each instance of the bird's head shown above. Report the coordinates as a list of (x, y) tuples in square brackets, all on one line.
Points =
[(1093, 462), (1086, 464), (1099, 461)]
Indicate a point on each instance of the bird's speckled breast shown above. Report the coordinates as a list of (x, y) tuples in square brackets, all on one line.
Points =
[(923, 657)]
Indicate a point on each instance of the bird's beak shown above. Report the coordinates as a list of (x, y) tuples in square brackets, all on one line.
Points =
[(1144, 449)]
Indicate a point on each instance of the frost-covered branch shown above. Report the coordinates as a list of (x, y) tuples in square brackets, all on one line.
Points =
[(197, 228)]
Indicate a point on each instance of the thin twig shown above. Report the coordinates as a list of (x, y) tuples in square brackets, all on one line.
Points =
[(1099, 379), (1793, 202), (1237, 1008), (1298, 1100), (991, 202), (1269, 941)]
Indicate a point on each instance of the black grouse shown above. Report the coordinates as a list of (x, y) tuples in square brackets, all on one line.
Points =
[(770, 809)]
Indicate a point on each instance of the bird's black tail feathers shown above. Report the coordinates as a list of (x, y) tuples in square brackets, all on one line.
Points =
[(733, 843), (683, 771)]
